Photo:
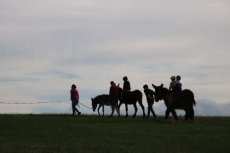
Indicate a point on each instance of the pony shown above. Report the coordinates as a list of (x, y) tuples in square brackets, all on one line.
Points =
[(181, 100), (103, 100), (131, 98)]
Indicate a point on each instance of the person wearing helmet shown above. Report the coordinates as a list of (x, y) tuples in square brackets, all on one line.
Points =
[(172, 83), (150, 99), (126, 85), (178, 85), (126, 89), (172, 89)]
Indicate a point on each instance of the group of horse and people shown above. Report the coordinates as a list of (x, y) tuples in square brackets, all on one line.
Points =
[(174, 98)]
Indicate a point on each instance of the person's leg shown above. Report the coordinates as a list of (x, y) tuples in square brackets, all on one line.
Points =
[(116, 106), (73, 110), (112, 106), (148, 112), (151, 108), (79, 113)]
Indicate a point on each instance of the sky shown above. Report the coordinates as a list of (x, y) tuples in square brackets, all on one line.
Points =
[(48, 45)]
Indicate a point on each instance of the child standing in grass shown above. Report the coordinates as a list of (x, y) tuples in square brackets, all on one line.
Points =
[(75, 99)]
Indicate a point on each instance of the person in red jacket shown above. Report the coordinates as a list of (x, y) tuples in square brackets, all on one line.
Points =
[(75, 99), (113, 94)]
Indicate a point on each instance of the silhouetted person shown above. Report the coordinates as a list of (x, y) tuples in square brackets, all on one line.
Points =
[(172, 89), (114, 95), (126, 85), (178, 85), (150, 94), (126, 88), (172, 83), (75, 99)]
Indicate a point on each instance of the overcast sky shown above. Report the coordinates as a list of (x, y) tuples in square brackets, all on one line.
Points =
[(48, 45)]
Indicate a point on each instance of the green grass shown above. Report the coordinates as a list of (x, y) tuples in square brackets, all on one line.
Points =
[(93, 134)]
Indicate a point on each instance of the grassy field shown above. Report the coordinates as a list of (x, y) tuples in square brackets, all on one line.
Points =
[(93, 134)]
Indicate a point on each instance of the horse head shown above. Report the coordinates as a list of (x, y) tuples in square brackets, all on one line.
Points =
[(94, 105), (160, 92)]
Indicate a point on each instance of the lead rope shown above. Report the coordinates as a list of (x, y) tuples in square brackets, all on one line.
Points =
[(85, 106)]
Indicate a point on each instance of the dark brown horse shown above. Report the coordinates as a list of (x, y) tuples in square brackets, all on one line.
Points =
[(131, 98), (181, 100), (103, 100)]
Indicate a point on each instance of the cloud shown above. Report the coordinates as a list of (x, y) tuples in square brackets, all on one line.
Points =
[(207, 107), (48, 45), (58, 73)]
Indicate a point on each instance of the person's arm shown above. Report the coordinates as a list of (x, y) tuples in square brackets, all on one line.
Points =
[(170, 86)]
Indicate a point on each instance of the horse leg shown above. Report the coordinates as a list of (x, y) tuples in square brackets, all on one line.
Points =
[(174, 113), (167, 113), (187, 114), (191, 114), (118, 111), (135, 107), (119, 105), (112, 111), (143, 108), (103, 109), (98, 110), (151, 109), (170, 109), (126, 108)]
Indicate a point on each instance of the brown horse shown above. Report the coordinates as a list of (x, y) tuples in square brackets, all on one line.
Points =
[(181, 100), (131, 98), (103, 100)]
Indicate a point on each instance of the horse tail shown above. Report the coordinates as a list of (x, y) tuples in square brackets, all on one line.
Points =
[(138, 96), (194, 102), (193, 99), (190, 95)]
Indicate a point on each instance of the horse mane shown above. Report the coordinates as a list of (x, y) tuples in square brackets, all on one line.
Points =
[(165, 90)]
